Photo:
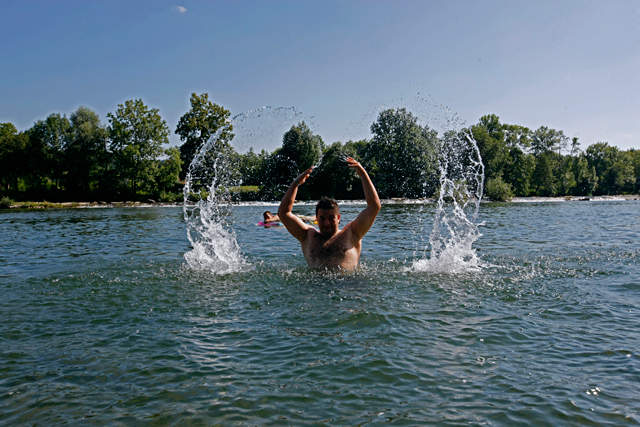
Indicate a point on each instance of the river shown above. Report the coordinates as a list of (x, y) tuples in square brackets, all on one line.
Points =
[(103, 322)]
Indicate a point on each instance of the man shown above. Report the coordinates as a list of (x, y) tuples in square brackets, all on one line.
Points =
[(331, 247), (269, 217)]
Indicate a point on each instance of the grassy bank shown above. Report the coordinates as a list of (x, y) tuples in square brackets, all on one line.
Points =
[(10, 204), (67, 205)]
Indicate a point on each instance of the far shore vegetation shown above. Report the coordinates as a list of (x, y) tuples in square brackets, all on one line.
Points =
[(78, 159)]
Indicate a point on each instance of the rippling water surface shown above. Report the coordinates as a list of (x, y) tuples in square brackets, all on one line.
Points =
[(103, 323)]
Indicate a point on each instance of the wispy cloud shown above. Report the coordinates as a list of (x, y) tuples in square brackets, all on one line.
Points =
[(180, 9)]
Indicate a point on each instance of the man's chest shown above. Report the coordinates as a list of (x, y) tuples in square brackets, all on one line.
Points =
[(337, 247)]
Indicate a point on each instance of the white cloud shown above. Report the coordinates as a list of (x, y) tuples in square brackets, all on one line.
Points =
[(180, 9)]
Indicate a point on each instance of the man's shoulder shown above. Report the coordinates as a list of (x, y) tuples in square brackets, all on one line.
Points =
[(346, 232), (312, 232)]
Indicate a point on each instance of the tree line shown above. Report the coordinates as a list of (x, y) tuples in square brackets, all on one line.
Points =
[(545, 162), (79, 158)]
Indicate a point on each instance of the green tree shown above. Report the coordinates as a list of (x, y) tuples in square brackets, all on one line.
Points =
[(49, 138), (333, 178), (7, 129), (517, 136), (621, 177), (13, 156), (137, 135), (586, 177), (519, 171), (85, 153), (545, 174), (499, 190), (504, 148), (251, 165), (575, 147), (169, 168), (300, 149), (599, 156), (199, 124), (490, 137), (635, 160), (613, 167), (402, 156), (567, 180), (544, 139)]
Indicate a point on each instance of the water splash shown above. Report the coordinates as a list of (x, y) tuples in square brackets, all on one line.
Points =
[(213, 175), (461, 181), (455, 226), (211, 180)]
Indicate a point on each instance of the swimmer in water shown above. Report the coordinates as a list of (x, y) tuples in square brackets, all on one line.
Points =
[(330, 246), (269, 217)]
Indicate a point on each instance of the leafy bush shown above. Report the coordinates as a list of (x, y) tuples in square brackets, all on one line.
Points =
[(246, 193), (5, 203), (170, 197), (498, 190)]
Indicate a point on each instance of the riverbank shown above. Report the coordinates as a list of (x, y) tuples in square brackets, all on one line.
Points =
[(130, 204), (69, 205), (576, 198)]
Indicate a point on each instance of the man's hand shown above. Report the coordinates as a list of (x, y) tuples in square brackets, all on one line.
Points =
[(293, 224), (353, 163), (364, 221), (303, 176)]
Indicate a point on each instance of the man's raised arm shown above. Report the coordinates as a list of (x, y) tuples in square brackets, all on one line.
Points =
[(294, 225), (364, 221)]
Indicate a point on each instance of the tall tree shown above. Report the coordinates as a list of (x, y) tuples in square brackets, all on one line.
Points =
[(490, 137), (519, 171), (544, 139), (575, 147), (85, 152), (402, 155), (300, 149), (567, 180), (635, 161), (198, 124), (49, 138), (613, 167), (586, 177), (333, 179), (13, 146), (169, 168), (137, 135), (545, 174), (517, 136), (251, 164)]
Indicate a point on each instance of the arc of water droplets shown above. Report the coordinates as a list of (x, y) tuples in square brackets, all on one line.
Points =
[(206, 206)]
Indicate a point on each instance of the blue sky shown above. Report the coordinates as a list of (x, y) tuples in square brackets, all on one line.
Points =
[(569, 65)]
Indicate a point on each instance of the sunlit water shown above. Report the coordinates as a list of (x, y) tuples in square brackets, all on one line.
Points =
[(104, 323)]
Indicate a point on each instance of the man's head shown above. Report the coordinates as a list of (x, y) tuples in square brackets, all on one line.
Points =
[(267, 215), (328, 216)]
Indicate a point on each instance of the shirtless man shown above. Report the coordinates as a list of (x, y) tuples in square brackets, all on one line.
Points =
[(268, 217), (331, 247)]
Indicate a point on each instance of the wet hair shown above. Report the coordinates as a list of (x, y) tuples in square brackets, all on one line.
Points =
[(327, 203), (266, 214)]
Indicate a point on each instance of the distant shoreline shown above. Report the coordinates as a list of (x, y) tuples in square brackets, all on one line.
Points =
[(393, 201)]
